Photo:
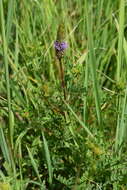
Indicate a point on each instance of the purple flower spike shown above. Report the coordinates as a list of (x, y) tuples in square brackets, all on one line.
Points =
[(60, 46)]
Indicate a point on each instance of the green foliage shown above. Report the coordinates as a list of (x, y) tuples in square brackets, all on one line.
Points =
[(48, 141)]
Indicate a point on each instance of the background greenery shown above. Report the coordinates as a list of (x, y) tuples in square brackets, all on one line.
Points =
[(47, 141)]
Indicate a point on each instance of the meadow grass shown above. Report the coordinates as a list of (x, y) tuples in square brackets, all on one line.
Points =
[(48, 141)]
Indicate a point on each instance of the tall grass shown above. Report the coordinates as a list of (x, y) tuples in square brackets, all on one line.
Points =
[(92, 61), (42, 148), (121, 121), (5, 53)]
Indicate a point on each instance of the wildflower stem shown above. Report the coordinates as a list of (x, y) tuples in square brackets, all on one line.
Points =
[(62, 78)]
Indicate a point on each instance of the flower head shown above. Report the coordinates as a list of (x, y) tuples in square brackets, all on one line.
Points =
[(60, 47)]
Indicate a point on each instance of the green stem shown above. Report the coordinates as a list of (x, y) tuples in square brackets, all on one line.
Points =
[(86, 72)]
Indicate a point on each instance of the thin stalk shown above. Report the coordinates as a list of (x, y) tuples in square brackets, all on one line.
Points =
[(120, 39), (123, 119), (62, 78), (86, 89)]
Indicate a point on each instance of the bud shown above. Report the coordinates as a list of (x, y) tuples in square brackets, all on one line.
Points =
[(61, 33)]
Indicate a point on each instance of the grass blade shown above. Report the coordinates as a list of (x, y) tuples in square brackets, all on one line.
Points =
[(81, 122), (3, 145), (120, 39), (33, 164), (48, 159)]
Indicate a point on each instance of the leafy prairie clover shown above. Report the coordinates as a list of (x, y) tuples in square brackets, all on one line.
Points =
[(60, 44)]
